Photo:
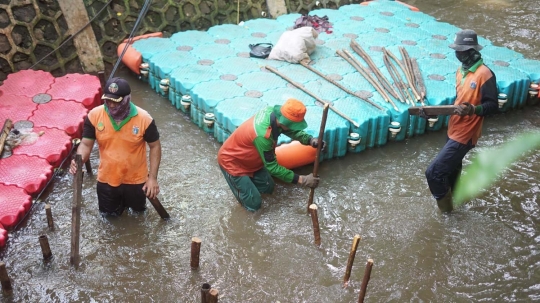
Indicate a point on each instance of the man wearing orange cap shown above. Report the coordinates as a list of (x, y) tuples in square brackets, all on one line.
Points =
[(248, 158)]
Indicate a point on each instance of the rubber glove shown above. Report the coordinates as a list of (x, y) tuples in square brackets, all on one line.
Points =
[(314, 142), (309, 181), (464, 109)]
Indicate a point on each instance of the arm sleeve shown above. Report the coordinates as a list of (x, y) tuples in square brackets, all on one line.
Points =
[(489, 93), (151, 134), (298, 135), (89, 131), (265, 148)]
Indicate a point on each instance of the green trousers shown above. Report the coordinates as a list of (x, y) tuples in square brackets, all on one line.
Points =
[(248, 190)]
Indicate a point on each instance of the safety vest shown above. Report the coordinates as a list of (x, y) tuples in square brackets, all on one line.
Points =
[(122, 149)]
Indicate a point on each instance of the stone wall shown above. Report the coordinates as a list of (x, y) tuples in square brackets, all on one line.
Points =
[(31, 29)]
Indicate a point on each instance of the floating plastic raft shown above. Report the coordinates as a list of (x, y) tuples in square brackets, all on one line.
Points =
[(211, 76), (55, 107)]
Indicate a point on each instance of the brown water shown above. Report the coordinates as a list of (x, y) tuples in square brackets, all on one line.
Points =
[(488, 250)]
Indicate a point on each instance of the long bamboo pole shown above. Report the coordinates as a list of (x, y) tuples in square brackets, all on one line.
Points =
[(76, 212), (419, 80), (408, 64), (318, 154), (395, 78), (340, 86), (311, 94), (389, 53), (385, 83), (159, 208), (362, 70)]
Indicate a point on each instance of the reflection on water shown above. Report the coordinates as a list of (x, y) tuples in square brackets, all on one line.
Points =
[(488, 250)]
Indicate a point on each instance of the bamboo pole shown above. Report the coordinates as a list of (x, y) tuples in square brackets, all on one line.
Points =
[(88, 167), (195, 252), (315, 221), (365, 281), (389, 53), (343, 88), (318, 154), (385, 83), (395, 76), (4, 278), (76, 212), (45, 248), (350, 261), (352, 60), (311, 94), (419, 80), (8, 124), (410, 70), (212, 296), (159, 208), (48, 212), (204, 292)]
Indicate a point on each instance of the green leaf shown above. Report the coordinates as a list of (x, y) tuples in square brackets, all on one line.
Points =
[(487, 165)]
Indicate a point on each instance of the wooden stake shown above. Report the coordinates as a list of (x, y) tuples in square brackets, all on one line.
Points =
[(76, 212), (365, 281), (159, 208), (350, 261), (315, 221), (213, 296), (204, 292), (88, 167), (45, 248), (48, 212), (4, 278), (195, 252), (318, 154), (5, 132)]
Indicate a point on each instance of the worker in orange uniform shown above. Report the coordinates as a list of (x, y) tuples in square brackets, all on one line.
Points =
[(476, 97), (122, 131), (248, 158)]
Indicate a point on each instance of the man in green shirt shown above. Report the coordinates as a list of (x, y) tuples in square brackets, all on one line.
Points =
[(248, 158)]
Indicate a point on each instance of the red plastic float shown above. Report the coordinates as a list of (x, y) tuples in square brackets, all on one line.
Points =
[(294, 154), (56, 107), (132, 58)]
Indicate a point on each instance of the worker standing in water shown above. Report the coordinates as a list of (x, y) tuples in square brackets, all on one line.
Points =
[(122, 131), (248, 158), (476, 97)]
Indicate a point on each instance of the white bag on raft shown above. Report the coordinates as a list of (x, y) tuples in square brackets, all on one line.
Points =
[(295, 46)]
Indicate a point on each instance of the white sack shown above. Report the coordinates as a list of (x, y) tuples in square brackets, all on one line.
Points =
[(295, 46)]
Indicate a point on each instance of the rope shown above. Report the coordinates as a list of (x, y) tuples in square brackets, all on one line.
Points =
[(143, 12), (72, 36)]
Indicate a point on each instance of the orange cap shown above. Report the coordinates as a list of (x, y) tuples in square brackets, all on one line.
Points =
[(293, 110)]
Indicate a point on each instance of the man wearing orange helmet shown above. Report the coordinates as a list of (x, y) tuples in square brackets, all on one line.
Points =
[(248, 159)]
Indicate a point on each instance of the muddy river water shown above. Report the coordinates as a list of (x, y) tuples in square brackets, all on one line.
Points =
[(488, 250)]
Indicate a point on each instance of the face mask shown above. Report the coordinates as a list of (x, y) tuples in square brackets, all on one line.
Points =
[(468, 58), (121, 110)]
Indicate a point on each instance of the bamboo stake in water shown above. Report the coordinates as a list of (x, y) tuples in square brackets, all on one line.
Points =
[(212, 296), (195, 252), (159, 208), (45, 248), (4, 278), (48, 212), (204, 292), (350, 261), (365, 281), (315, 221), (318, 154), (76, 212)]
